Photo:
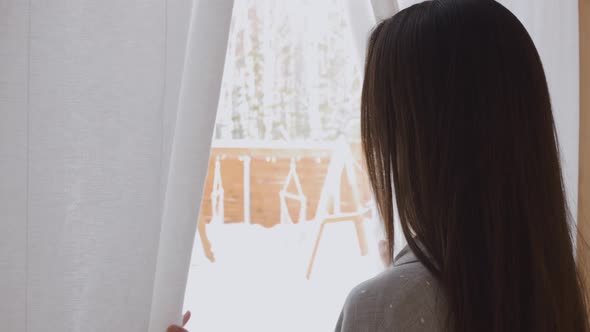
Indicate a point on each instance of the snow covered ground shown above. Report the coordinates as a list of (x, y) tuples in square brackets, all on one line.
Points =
[(258, 283)]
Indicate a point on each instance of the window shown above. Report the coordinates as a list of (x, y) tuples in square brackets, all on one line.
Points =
[(288, 225)]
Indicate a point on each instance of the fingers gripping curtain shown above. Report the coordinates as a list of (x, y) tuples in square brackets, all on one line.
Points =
[(93, 141)]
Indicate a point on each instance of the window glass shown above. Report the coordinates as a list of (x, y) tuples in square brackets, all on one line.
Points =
[(287, 224)]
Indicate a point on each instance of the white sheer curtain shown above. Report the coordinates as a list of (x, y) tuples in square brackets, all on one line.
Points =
[(554, 27), (363, 16), (101, 166)]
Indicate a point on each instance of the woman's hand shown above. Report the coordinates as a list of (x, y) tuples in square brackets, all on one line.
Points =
[(176, 328)]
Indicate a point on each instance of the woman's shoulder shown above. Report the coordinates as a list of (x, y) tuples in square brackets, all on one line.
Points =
[(404, 297)]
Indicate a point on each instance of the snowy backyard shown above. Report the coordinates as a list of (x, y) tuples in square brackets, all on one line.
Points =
[(258, 281)]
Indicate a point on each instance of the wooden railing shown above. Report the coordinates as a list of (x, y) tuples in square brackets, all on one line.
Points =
[(268, 170)]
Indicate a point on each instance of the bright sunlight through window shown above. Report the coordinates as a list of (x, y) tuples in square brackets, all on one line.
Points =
[(287, 224)]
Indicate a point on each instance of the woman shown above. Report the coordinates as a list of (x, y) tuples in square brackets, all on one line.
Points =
[(457, 122)]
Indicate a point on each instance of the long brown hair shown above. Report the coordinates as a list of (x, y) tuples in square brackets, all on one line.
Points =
[(457, 128)]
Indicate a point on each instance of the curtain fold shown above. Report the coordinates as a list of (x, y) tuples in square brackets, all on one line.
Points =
[(363, 15), (14, 29), (89, 96), (384, 9), (199, 96)]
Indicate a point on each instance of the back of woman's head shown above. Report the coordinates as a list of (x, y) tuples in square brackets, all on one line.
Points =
[(456, 117)]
